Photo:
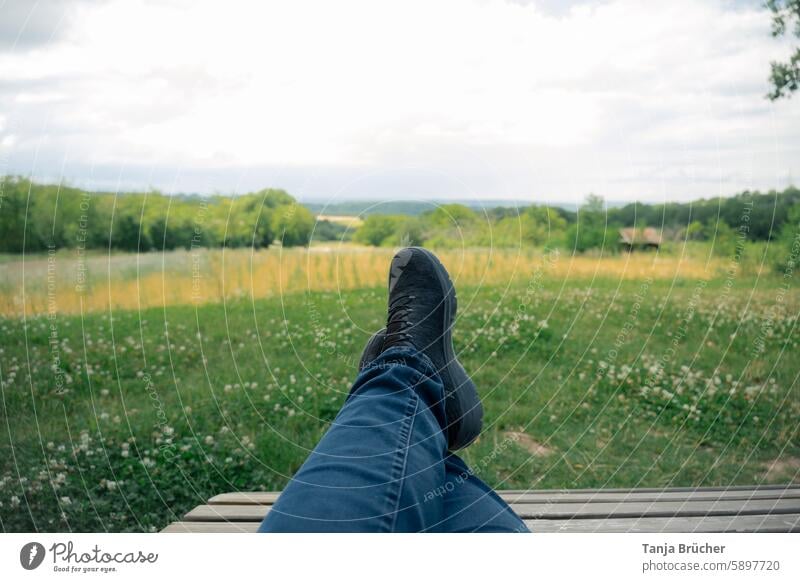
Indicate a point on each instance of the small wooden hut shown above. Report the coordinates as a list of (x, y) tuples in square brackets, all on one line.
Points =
[(631, 239)]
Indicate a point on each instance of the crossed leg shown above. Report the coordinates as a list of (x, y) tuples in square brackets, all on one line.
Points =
[(383, 465)]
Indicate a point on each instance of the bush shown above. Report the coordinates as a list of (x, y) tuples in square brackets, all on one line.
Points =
[(784, 253), (325, 230), (377, 229)]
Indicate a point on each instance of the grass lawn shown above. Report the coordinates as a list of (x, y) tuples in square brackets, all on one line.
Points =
[(603, 383)]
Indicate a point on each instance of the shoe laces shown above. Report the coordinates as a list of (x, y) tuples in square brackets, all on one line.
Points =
[(400, 311)]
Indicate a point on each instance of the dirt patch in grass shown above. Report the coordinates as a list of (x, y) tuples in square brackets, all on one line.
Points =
[(783, 469), (534, 447)]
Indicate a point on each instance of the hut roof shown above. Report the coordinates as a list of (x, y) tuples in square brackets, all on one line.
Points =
[(642, 236)]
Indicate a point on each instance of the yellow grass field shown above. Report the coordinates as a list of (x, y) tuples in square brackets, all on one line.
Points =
[(66, 283), (352, 222)]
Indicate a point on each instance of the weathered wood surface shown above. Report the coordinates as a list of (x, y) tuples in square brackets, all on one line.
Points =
[(714, 524), (711, 509), (571, 496)]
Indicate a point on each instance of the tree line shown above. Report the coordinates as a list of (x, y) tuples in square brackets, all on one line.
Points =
[(750, 216), (37, 217)]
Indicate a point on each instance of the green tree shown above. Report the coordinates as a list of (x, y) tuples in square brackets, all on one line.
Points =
[(13, 204), (590, 230), (407, 232), (534, 226), (377, 228), (273, 198), (542, 225), (785, 76), (695, 230), (126, 230), (785, 251), (292, 224), (723, 238), (594, 204), (451, 216)]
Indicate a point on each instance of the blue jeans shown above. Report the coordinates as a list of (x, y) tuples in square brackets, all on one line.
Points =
[(383, 465)]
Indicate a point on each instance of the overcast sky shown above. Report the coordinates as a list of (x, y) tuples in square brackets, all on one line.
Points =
[(419, 99)]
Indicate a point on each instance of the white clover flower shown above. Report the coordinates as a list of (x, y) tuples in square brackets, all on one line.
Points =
[(751, 390)]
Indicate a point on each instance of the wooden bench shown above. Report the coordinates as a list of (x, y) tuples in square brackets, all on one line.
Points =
[(765, 508)]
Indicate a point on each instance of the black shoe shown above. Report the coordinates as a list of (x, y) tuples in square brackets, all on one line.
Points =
[(373, 349), (422, 310)]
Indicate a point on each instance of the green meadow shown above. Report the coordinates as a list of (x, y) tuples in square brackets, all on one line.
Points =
[(123, 419)]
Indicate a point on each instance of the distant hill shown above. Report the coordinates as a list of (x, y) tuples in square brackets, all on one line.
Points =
[(368, 207)]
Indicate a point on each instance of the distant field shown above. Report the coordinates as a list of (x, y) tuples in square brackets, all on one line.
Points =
[(72, 284), (627, 371), (352, 222)]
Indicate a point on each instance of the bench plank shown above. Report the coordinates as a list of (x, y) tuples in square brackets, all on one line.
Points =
[(710, 524), (713, 524), (211, 527), (566, 510), (774, 508), (268, 498), (601, 510)]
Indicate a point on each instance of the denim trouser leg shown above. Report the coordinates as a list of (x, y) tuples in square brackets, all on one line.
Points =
[(375, 468), (470, 505)]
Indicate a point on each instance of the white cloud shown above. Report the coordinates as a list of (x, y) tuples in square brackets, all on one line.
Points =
[(504, 99)]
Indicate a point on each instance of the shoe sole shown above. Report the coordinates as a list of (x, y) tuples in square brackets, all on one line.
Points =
[(460, 391)]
